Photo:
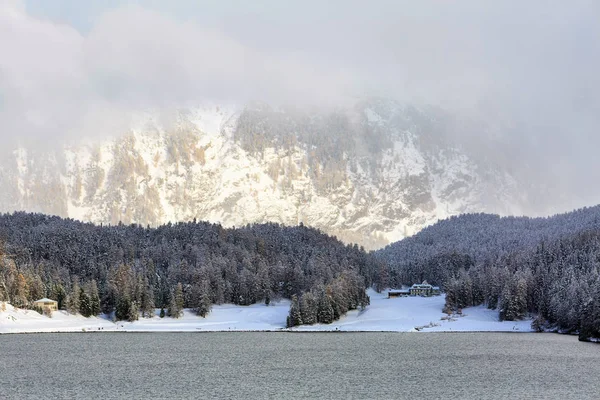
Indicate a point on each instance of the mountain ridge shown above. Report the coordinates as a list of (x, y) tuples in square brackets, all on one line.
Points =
[(371, 174)]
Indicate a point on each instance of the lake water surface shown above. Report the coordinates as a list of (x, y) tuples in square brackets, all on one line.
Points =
[(298, 365)]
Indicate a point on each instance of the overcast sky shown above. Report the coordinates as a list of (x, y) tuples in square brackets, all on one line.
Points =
[(72, 67)]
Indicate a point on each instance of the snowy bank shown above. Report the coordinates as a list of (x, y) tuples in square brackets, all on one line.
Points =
[(15, 320), (410, 314), (405, 314), (257, 317)]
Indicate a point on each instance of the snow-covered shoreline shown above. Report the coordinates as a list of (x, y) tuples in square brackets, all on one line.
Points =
[(410, 314)]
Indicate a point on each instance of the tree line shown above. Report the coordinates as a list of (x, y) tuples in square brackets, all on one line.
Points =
[(130, 270), (547, 267), (327, 303), (543, 267)]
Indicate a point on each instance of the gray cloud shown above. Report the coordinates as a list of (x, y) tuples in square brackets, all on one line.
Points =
[(469, 54), (72, 68)]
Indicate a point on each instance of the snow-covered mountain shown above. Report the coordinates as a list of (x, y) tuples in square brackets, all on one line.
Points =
[(370, 174)]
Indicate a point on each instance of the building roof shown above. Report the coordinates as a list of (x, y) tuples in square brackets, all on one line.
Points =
[(421, 286), (45, 300), (399, 291)]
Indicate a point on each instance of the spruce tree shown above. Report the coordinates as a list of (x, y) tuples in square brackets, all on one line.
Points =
[(122, 310), (36, 288), (325, 313), (73, 302), (94, 298), (205, 300), (147, 300), (295, 315), (308, 308), (179, 298), (590, 317), (20, 292), (175, 309), (85, 307), (133, 312), (60, 295)]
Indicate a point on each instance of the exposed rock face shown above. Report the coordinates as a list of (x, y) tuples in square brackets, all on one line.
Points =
[(371, 174)]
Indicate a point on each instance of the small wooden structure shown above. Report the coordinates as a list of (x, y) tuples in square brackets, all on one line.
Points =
[(398, 293), (46, 303)]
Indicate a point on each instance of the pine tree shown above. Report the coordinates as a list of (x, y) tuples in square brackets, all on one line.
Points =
[(73, 301), (179, 298), (295, 316), (383, 279), (109, 299), (3, 291), (36, 288), (85, 306), (451, 288), (205, 300), (147, 299), (177, 301), (308, 308), (133, 312), (590, 316), (365, 301), (508, 305), (325, 313), (172, 310), (521, 298), (60, 295), (94, 298), (21, 290), (123, 308)]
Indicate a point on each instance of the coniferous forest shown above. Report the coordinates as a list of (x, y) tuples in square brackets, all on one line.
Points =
[(543, 267), (547, 268), (131, 270)]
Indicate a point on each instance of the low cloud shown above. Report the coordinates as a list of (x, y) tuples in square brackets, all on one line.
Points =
[(56, 82), (529, 66)]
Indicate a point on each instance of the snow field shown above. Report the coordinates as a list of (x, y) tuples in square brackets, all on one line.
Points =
[(409, 314)]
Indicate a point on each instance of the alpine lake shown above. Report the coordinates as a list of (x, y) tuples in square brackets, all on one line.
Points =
[(282, 365)]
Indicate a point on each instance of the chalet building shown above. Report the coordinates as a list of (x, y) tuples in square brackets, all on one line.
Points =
[(418, 289), (46, 303), (424, 289)]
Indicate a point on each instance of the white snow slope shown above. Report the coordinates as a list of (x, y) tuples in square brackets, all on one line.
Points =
[(393, 315), (197, 167)]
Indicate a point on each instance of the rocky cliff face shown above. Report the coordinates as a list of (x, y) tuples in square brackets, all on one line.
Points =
[(369, 174)]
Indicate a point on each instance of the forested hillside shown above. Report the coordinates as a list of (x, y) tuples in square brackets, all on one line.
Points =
[(544, 266), (131, 270), (549, 267)]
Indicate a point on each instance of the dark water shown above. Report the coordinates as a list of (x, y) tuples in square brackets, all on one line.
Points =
[(296, 365)]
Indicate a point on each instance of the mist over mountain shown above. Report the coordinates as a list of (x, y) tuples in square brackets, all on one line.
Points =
[(373, 124), (372, 173)]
